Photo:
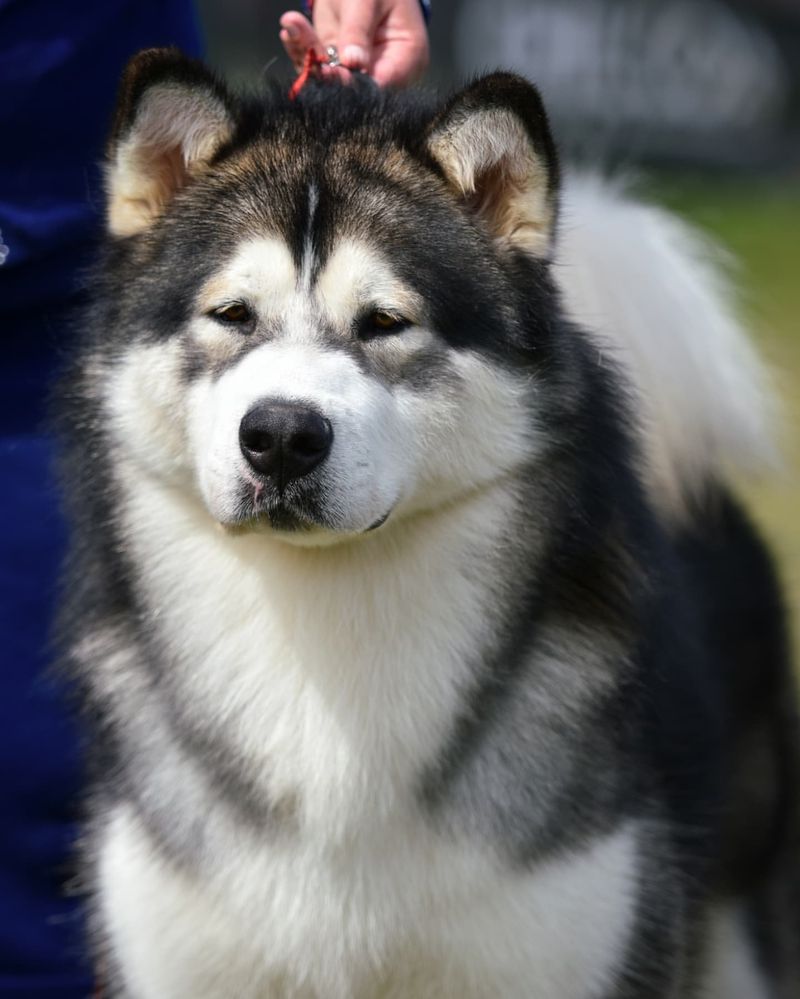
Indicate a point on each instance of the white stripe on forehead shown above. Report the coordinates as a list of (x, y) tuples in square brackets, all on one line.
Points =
[(308, 242)]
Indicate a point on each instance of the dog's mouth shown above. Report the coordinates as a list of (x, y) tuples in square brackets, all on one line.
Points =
[(282, 517), (290, 511), (287, 518), (379, 522)]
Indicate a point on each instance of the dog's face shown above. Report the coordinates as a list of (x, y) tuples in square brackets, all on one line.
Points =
[(318, 325)]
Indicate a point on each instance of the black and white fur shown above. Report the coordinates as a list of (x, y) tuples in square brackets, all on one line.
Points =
[(492, 702)]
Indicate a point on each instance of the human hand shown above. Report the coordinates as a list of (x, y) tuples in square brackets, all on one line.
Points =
[(385, 38)]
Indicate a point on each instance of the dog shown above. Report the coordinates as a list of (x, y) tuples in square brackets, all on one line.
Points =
[(424, 648)]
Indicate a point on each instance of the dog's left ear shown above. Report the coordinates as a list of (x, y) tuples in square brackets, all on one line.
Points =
[(172, 116), (493, 142)]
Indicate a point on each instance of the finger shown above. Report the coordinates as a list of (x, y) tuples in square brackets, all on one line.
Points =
[(400, 63), (357, 22), (401, 52), (298, 36)]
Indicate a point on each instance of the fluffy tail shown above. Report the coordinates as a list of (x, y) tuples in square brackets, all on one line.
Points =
[(652, 293)]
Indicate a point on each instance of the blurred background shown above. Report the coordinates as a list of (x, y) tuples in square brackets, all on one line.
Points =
[(698, 101)]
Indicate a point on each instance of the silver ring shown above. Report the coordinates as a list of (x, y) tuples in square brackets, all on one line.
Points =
[(333, 55)]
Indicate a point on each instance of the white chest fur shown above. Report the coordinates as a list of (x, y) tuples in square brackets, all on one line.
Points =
[(334, 675), (408, 917)]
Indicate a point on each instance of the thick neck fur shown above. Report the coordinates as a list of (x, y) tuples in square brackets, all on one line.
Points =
[(337, 668)]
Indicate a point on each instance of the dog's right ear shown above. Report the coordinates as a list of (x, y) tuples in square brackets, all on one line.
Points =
[(172, 116)]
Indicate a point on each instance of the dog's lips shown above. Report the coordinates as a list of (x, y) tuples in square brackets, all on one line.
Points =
[(261, 507), (380, 521), (282, 517), (294, 510)]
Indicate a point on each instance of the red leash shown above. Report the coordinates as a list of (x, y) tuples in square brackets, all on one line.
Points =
[(310, 63), (311, 60)]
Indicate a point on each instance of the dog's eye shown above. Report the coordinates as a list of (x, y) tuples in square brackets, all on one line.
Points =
[(236, 314), (381, 321)]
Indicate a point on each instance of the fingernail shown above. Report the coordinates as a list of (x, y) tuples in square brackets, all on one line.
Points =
[(291, 31), (354, 55)]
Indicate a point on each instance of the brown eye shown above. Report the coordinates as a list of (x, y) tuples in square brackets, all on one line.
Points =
[(381, 321), (236, 314)]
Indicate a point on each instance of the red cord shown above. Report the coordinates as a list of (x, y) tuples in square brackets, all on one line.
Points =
[(310, 61)]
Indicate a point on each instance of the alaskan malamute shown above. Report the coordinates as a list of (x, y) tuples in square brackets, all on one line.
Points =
[(425, 650)]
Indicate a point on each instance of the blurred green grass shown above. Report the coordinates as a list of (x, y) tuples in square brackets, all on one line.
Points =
[(760, 224)]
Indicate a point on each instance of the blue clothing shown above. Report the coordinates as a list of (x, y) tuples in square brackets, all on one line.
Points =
[(60, 63)]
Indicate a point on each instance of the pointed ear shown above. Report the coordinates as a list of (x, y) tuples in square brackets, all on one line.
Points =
[(493, 143), (172, 116)]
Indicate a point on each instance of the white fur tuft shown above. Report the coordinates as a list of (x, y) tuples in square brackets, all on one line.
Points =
[(653, 294)]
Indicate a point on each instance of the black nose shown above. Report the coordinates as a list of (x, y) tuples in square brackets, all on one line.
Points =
[(284, 440)]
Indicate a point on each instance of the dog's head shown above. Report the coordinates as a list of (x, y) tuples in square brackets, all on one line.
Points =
[(326, 314)]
